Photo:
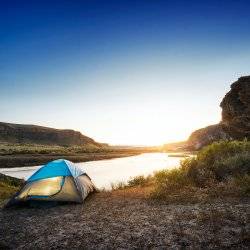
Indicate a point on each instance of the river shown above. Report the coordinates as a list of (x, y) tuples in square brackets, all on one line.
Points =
[(105, 172)]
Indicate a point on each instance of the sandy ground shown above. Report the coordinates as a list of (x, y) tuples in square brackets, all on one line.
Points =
[(127, 220)]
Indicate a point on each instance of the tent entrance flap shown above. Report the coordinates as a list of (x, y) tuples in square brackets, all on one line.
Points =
[(46, 187)]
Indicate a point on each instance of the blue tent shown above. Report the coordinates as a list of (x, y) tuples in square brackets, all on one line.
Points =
[(59, 180)]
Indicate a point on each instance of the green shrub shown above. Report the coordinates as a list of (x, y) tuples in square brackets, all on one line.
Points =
[(218, 162), (222, 149), (214, 166), (169, 181), (139, 181), (11, 181), (8, 186), (118, 186)]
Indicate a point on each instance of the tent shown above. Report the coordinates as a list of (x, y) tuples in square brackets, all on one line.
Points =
[(57, 181)]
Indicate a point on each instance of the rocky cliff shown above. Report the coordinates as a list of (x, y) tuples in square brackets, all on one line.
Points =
[(207, 135), (236, 109), (17, 133), (235, 122)]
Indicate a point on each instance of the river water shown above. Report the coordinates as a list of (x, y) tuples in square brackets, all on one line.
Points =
[(105, 172)]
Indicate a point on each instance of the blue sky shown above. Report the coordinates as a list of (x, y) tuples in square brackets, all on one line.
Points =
[(122, 72)]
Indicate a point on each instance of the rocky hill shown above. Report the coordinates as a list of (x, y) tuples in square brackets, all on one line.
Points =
[(235, 122), (207, 135), (236, 109), (17, 133)]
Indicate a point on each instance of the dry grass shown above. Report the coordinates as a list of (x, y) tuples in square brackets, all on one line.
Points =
[(8, 186)]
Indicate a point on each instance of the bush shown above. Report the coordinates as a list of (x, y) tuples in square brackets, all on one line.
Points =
[(118, 186), (218, 162), (171, 179), (8, 186), (11, 181), (168, 182), (221, 162), (139, 181), (136, 181)]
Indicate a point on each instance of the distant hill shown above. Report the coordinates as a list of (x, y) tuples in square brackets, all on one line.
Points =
[(33, 134)]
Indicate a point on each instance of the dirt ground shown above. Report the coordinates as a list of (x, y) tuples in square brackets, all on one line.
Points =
[(125, 219)]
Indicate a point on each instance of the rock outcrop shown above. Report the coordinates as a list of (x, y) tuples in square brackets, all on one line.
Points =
[(206, 136), (18, 133), (236, 109), (235, 122)]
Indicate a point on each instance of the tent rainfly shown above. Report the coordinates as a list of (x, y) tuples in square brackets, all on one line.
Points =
[(58, 181)]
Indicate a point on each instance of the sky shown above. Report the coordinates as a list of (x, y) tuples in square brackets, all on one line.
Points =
[(122, 72)]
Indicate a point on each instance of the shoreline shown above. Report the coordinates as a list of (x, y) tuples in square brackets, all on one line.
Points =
[(23, 160)]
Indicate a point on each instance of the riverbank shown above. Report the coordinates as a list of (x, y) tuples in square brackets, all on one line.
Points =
[(20, 155), (21, 160), (128, 219)]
